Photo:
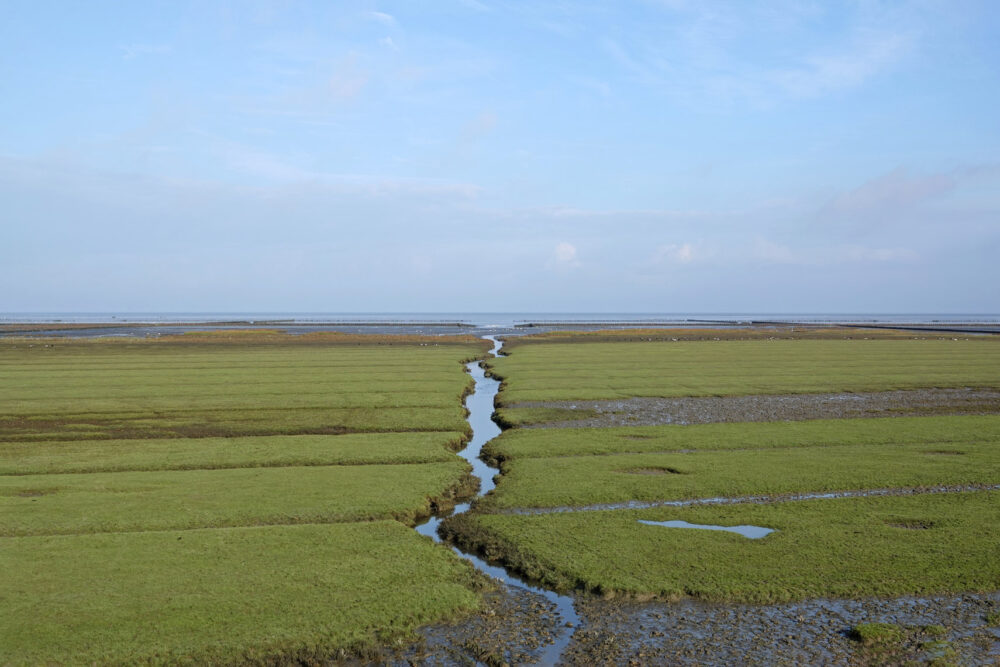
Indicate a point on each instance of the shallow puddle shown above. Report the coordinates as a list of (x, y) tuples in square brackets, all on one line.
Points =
[(750, 532)]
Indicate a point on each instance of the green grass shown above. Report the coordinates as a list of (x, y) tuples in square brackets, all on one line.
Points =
[(159, 500), (877, 633), (229, 443), (530, 416), (844, 548), (857, 547), (80, 390), (230, 423), (892, 644), (585, 480), (521, 443), (608, 370), (226, 596), (22, 458)]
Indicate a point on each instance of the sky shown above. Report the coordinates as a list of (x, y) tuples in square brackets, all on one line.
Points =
[(662, 156)]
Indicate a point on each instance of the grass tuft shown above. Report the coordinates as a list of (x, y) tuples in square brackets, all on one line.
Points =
[(877, 634)]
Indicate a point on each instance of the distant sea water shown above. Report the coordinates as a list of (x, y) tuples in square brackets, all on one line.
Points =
[(498, 320), (161, 323)]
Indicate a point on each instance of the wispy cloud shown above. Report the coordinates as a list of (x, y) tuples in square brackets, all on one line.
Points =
[(853, 65), (270, 169), (903, 190), (381, 17), (769, 252), (717, 55), (898, 189), (564, 256), (674, 253)]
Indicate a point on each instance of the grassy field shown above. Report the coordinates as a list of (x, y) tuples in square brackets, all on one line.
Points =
[(530, 443), (25, 458), (925, 543), (198, 389), (544, 371), (849, 547), (228, 497), (586, 480), (159, 500), (223, 596)]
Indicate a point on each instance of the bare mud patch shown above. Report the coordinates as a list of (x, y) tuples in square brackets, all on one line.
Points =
[(814, 632), (513, 627), (761, 408)]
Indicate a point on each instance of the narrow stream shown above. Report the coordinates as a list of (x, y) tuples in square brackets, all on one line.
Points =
[(480, 406)]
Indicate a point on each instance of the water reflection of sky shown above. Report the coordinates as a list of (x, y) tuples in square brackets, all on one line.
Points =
[(751, 532)]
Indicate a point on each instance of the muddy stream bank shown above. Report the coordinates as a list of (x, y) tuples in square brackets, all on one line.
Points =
[(545, 620)]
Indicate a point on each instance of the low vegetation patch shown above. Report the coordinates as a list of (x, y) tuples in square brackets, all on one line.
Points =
[(282, 458), (133, 501), (820, 548), (162, 389), (231, 423), (892, 644), (512, 418), (872, 634), (763, 333), (588, 480), (545, 371), (521, 443), (22, 458), (267, 595)]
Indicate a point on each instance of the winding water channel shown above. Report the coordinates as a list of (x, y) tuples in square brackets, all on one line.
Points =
[(480, 407)]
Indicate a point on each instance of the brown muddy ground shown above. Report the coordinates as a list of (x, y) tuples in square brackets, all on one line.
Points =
[(783, 407), (513, 627), (815, 632)]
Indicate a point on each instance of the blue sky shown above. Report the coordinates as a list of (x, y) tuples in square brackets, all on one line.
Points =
[(478, 155)]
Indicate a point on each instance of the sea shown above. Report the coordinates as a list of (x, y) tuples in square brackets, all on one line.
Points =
[(480, 323)]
